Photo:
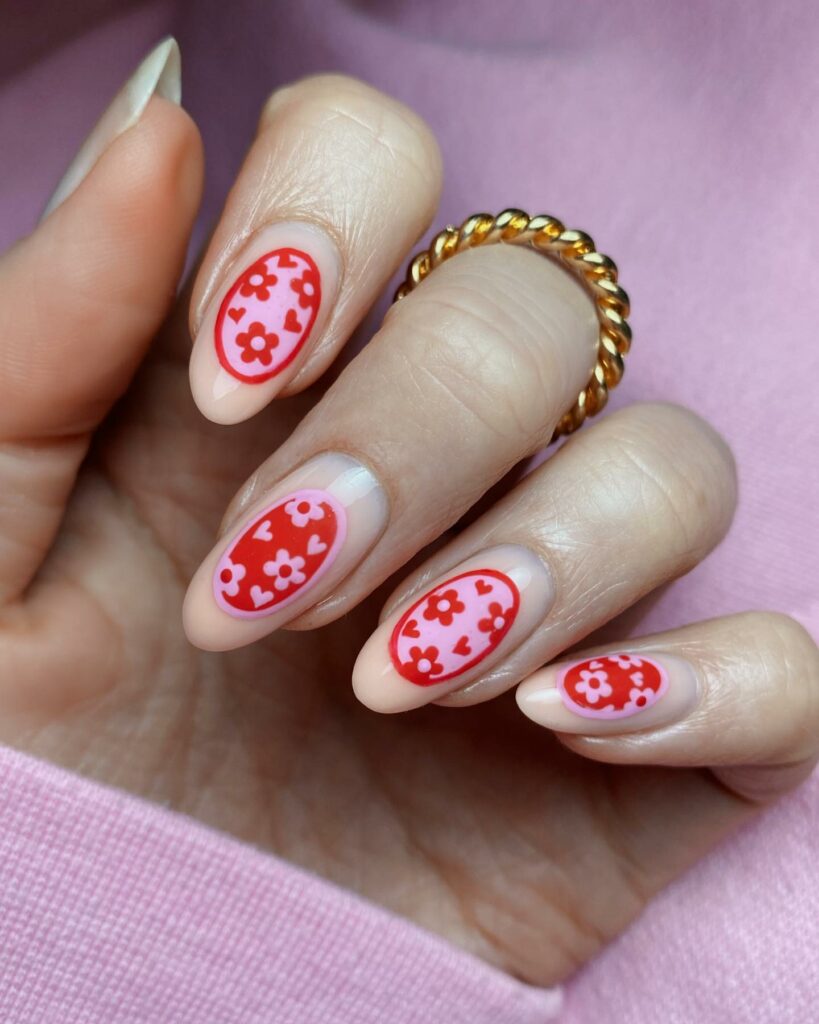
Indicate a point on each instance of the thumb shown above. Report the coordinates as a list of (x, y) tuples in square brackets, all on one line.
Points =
[(83, 295)]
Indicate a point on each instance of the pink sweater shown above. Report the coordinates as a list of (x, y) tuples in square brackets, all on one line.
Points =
[(682, 136)]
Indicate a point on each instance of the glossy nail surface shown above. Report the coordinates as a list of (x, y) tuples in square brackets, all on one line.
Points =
[(256, 328), (285, 550), (446, 636), (159, 74), (267, 315), (609, 693), (454, 627), (289, 551)]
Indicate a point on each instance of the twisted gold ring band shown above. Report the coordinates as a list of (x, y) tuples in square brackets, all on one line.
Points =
[(574, 250)]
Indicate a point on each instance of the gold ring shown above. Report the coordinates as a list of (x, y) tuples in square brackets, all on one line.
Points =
[(574, 250)]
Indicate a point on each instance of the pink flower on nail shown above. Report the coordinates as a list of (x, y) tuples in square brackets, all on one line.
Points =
[(306, 287), (302, 511), (626, 660), (285, 570), (443, 607), (422, 660), (230, 576), (639, 699), (258, 282), (594, 685), (257, 344), (496, 622)]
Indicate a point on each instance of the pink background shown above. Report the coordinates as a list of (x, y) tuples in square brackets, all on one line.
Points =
[(683, 137)]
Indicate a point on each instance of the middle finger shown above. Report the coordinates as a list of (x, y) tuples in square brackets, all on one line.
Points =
[(469, 374)]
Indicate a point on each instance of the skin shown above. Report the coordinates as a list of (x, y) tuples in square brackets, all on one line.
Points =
[(529, 849)]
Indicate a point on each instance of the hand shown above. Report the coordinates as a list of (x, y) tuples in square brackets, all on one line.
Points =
[(529, 847)]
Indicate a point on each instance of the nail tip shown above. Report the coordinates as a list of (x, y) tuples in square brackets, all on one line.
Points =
[(220, 417), (364, 692), (530, 707), (159, 73), (213, 411), (169, 80)]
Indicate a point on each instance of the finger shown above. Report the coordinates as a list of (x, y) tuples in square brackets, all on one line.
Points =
[(80, 299), (469, 374), (339, 183), (628, 504), (739, 695)]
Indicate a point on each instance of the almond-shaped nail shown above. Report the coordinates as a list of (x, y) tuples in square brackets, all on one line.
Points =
[(454, 630), (614, 693), (159, 74), (290, 549), (259, 325)]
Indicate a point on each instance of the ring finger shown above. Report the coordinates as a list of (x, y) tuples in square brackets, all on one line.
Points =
[(628, 504)]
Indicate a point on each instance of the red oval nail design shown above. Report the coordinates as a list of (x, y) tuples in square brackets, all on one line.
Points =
[(613, 686), (267, 315), (454, 627), (282, 553)]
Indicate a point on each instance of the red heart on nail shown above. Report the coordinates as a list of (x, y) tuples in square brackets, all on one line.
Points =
[(411, 628), (483, 587), (462, 646), (291, 322), (286, 260), (237, 314)]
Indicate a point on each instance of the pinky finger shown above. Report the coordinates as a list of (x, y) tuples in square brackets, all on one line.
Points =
[(739, 695)]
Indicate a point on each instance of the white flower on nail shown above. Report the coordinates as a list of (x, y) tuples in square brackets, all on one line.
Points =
[(285, 570), (626, 660), (637, 678), (302, 510), (638, 699), (594, 685), (230, 576)]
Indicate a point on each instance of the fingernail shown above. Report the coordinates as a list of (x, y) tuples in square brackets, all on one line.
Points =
[(610, 693), (456, 631), (256, 329), (290, 550), (159, 74)]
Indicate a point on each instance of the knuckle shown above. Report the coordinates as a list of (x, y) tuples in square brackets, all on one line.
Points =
[(786, 658), (382, 130), (482, 331), (679, 472), (491, 373), (787, 647)]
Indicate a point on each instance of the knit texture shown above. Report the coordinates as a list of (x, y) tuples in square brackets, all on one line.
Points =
[(113, 911)]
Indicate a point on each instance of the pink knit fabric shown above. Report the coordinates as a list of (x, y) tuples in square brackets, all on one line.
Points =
[(116, 912), (681, 136)]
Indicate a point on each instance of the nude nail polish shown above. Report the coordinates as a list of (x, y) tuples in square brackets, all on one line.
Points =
[(610, 693), (455, 630), (289, 550), (159, 74), (259, 325)]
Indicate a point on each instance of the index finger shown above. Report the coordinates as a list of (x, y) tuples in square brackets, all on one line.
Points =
[(339, 183)]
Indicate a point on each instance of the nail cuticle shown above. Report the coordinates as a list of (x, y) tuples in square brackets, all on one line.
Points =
[(159, 74)]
